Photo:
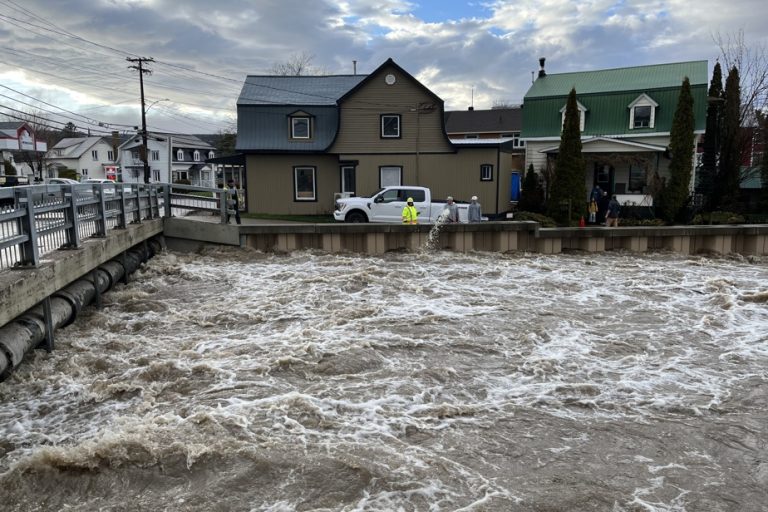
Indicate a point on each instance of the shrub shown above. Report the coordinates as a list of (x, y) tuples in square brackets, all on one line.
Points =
[(718, 218)]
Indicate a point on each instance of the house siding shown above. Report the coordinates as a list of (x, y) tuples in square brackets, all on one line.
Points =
[(270, 179), (359, 127)]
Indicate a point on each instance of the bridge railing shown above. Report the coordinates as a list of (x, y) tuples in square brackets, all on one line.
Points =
[(36, 220)]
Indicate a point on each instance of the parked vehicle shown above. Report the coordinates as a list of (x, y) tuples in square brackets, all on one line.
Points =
[(8, 180), (387, 204), (61, 181), (107, 185)]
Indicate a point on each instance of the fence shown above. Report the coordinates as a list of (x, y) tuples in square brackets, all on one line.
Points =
[(36, 220)]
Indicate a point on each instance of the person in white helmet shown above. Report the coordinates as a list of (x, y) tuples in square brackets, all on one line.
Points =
[(451, 212), (474, 213)]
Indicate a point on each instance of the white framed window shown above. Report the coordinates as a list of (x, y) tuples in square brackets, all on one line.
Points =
[(84, 172), (95, 155), (111, 156), (301, 128), (304, 184), (486, 172), (390, 176), (156, 154), (210, 154), (517, 142), (196, 156), (156, 174), (135, 154), (642, 112), (180, 155), (582, 116), (390, 126)]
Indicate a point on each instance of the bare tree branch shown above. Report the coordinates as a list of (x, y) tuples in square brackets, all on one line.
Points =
[(297, 64)]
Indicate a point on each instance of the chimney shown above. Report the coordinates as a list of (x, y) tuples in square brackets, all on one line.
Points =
[(542, 73), (354, 67)]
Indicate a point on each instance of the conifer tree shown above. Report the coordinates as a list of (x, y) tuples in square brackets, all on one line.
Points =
[(728, 177), (708, 169), (681, 139), (532, 197), (568, 192)]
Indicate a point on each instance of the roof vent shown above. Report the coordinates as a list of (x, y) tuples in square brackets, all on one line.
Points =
[(542, 73)]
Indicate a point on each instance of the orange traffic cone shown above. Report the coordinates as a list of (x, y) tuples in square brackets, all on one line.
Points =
[(581, 222)]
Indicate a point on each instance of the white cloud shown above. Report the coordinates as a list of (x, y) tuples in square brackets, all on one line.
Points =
[(493, 51)]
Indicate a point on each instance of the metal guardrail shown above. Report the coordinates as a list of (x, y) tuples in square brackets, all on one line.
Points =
[(36, 220)]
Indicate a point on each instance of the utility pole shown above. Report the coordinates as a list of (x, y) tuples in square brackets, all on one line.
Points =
[(139, 66)]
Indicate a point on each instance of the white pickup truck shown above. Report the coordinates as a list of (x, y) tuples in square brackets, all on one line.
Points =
[(387, 204)]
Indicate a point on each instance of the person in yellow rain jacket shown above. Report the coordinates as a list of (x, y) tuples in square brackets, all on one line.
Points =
[(410, 215)]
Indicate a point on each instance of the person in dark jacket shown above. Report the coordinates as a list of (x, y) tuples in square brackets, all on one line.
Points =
[(612, 217)]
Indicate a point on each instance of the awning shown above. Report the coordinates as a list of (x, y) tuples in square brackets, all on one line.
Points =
[(610, 145), (238, 159)]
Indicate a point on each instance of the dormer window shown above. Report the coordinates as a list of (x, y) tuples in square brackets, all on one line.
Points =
[(582, 115), (301, 127), (196, 156), (210, 154), (180, 155), (642, 112)]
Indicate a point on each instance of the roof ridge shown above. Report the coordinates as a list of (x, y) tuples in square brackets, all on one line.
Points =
[(628, 67)]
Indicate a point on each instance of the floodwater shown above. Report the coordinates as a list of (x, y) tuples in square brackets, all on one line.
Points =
[(240, 381)]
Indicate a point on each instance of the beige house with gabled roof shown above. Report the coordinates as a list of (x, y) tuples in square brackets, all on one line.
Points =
[(307, 139)]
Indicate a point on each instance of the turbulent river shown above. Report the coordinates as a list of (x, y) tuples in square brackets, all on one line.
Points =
[(435, 381)]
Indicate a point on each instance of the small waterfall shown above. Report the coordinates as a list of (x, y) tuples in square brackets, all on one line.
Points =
[(434, 234)]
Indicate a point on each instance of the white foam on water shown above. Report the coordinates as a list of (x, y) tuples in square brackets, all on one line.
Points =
[(398, 363)]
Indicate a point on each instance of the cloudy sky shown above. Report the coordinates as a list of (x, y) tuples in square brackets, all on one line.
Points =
[(66, 59)]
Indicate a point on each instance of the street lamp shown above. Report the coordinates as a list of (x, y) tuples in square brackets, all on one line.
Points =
[(145, 149)]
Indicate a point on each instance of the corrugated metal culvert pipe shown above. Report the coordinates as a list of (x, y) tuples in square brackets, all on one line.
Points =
[(28, 330)]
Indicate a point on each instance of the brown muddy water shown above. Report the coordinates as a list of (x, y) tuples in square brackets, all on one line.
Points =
[(434, 381)]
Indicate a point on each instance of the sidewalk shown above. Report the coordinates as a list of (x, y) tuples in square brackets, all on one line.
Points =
[(215, 219)]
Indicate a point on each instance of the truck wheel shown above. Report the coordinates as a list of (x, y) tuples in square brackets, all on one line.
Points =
[(356, 217)]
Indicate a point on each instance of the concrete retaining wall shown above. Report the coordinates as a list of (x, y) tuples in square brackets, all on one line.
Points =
[(184, 234)]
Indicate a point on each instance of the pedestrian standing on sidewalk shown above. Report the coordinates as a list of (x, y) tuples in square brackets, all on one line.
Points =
[(233, 203)]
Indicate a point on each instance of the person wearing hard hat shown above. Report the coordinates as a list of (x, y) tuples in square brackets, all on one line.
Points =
[(451, 213), (473, 213), (410, 214)]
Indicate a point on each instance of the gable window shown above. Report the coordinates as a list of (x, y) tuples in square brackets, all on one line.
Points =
[(111, 156), (486, 172), (642, 112), (180, 155), (582, 115), (196, 156), (304, 184), (390, 126), (95, 154), (300, 128)]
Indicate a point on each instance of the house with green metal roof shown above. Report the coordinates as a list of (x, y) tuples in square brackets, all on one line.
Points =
[(625, 118)]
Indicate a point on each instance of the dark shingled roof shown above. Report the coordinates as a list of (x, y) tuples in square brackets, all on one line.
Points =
[(484, 121), (296, 90)]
